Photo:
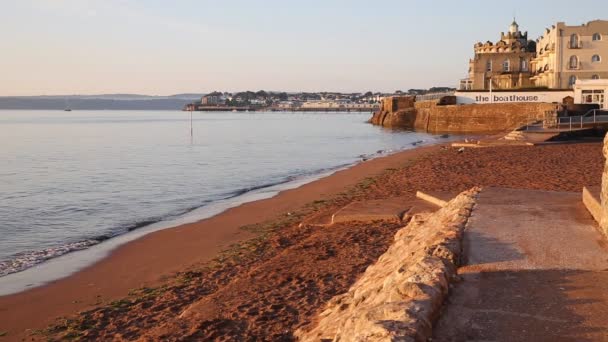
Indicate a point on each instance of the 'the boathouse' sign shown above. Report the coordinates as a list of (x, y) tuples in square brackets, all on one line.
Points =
[(510, 97)]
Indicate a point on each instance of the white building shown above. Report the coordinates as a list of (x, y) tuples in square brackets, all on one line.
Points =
[(565, 54), (541, 96), (591, 92)]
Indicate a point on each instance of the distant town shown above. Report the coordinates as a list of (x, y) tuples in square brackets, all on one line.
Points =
[(305, 101), (215, 101)]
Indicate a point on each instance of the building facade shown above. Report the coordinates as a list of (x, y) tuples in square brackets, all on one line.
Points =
[(213, 99), (504, 65), (591, 92), (566, 54)]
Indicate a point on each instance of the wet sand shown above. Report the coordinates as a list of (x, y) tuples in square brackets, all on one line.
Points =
[(270, 288), (148, 261)]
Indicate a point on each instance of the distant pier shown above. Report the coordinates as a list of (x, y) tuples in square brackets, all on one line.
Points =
[(199, 108)]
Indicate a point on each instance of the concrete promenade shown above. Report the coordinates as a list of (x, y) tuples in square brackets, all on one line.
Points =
[(536, 270)]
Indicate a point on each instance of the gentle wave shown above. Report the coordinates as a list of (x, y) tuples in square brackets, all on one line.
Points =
[(24, 260)]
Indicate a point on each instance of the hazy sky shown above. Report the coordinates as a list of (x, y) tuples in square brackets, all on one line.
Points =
[(166, 47)]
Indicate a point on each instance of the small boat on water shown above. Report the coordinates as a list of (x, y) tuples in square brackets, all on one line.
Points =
[(67, 110)]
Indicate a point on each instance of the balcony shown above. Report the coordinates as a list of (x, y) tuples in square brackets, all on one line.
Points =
[(545, 53), (575, 45)]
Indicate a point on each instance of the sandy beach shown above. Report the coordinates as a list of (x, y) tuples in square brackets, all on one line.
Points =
[(279, 273), (151, 259)]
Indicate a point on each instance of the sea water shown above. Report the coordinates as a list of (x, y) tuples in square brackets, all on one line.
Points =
[(89, 180)]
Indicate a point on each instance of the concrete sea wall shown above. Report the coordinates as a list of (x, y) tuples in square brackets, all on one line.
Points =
[(445, 117), (399, 297)]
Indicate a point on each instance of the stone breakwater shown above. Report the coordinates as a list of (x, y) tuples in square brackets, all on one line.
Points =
[(396, 112), (399, 297)]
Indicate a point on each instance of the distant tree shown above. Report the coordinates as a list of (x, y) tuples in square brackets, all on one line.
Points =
[(282, 96), (440, 89), (261, 93)]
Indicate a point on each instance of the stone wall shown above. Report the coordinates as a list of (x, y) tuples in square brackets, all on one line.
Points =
[(399, 297), (431, 117), (604, 192), (435, 116), (395, 112)]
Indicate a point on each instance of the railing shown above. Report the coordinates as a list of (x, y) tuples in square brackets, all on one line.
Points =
[(575, 45), (591, 111), (435, 96), (551, 121), (591, 117), (536, 122)]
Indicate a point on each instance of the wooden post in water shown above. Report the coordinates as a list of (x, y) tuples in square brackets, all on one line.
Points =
[(191, 131)]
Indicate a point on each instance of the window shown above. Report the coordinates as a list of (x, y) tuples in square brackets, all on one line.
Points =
[(546, 67), (597, 36), (489, 66), (571, 80), (523, 64), (506, 65), (574, 41), (573, 62), (466, 84), (593, 96), (595, 77), (596, 58)]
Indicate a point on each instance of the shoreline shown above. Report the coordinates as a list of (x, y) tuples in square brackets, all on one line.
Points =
[(65, 265), (148, 260), (71, 262), (271, 286)]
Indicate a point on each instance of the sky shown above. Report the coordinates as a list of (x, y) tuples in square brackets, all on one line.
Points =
[(154, 47)]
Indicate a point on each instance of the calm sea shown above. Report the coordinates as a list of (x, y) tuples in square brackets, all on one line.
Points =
[(70, 180)]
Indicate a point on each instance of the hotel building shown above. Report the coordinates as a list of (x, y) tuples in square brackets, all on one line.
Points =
[(566, 62), (504, 65), (566, 54)]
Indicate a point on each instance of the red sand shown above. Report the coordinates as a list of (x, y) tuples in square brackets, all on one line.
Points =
[(146, 261), (278, 284)]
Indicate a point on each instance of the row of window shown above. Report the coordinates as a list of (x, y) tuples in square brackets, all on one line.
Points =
[(523, 64), (573, 79), (506, 65), (575, 39), (574, 61)]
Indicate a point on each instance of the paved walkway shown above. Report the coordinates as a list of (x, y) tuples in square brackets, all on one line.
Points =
[(536, 270)]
